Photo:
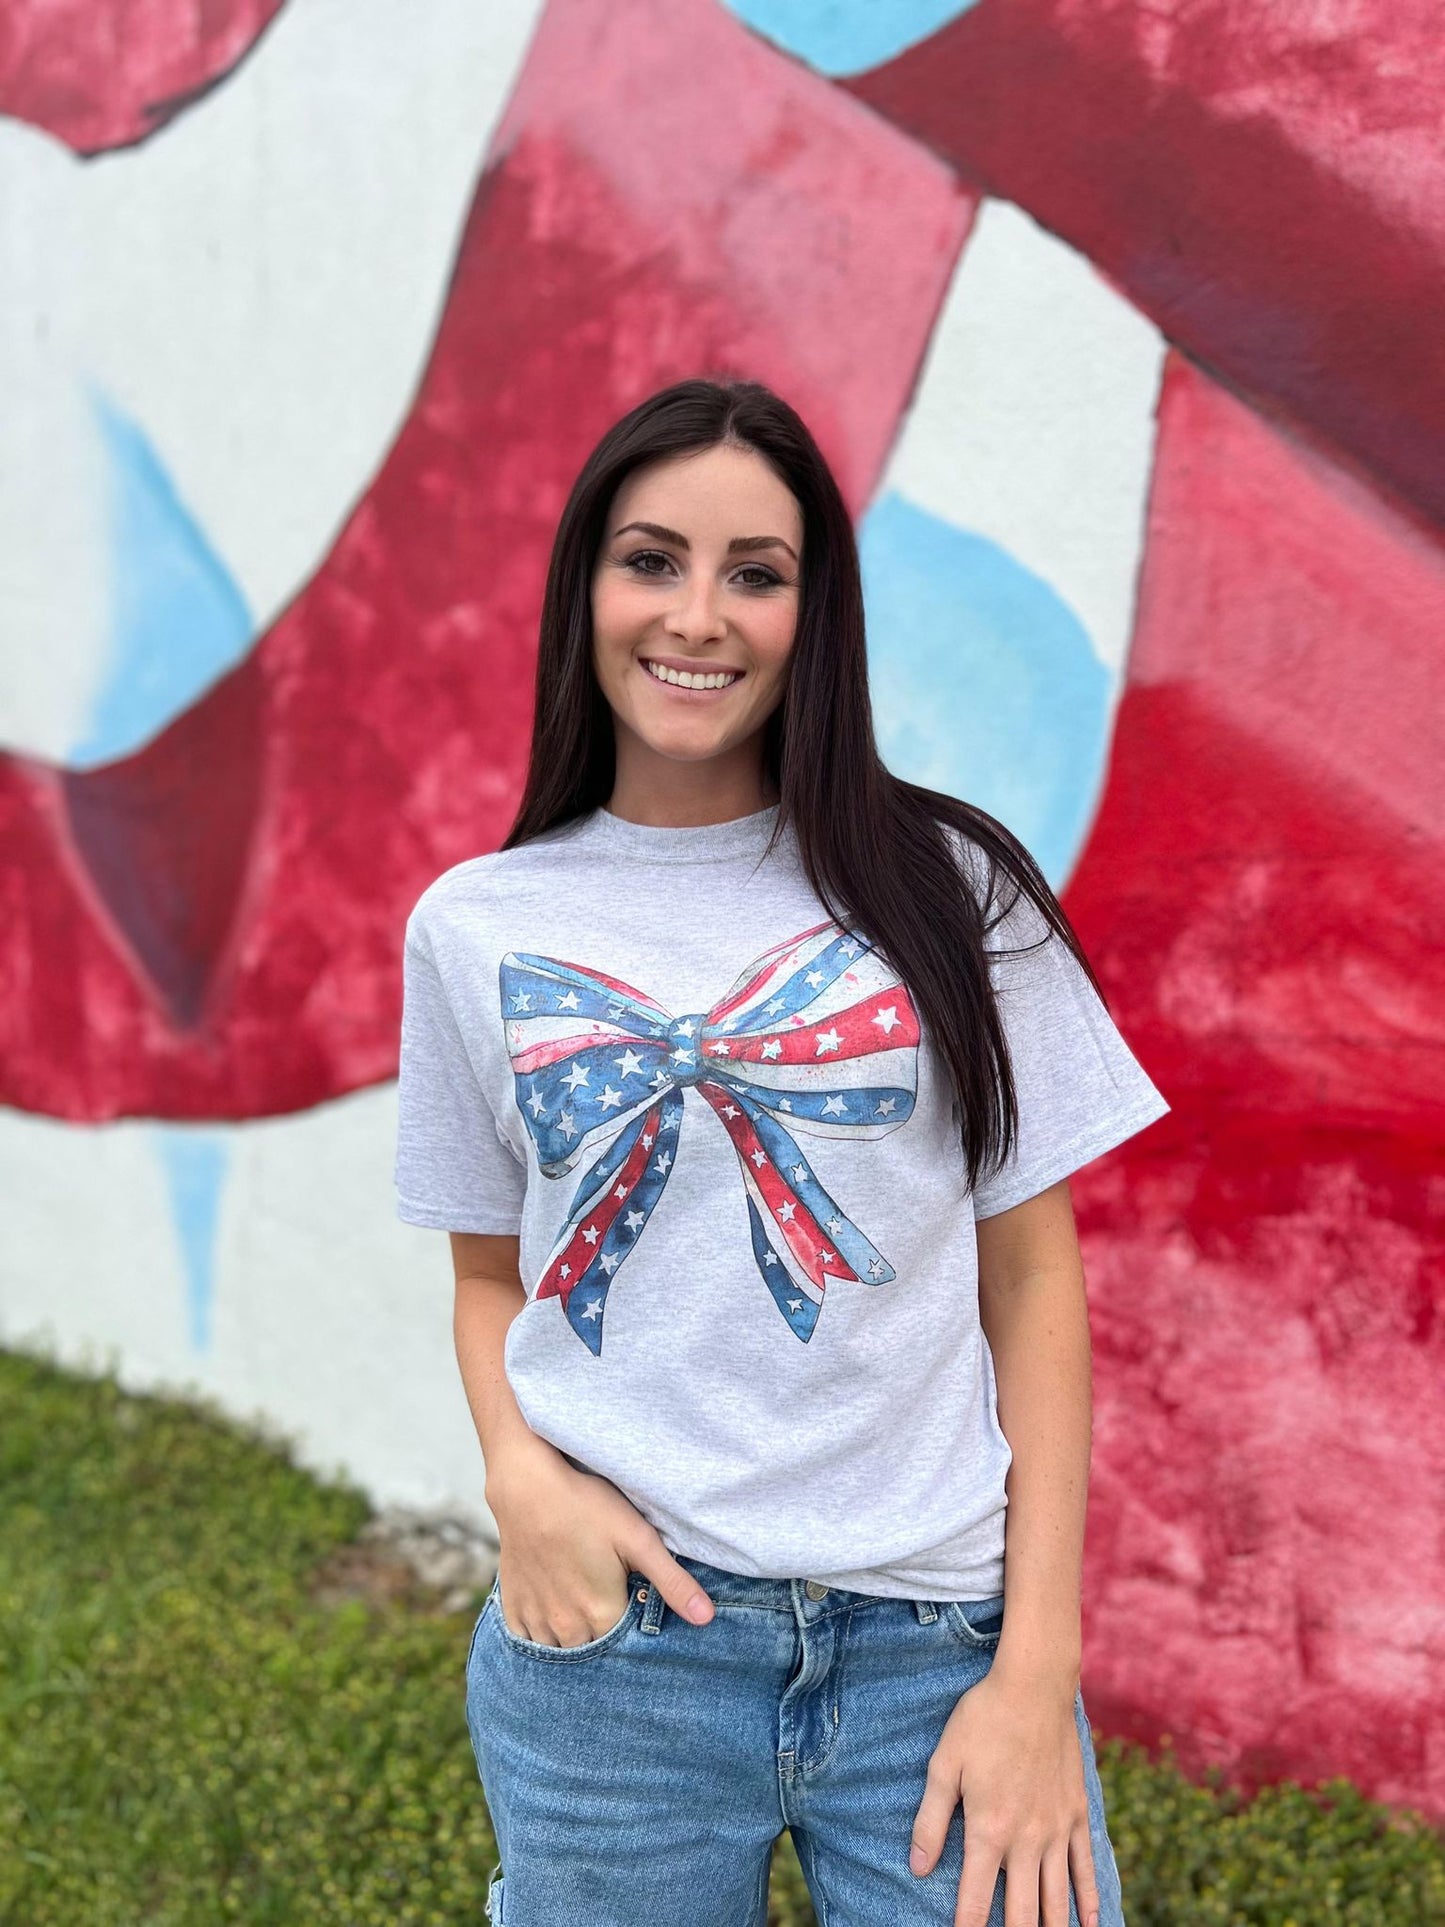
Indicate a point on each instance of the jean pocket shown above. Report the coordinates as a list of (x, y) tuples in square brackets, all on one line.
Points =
[(975, 1622), (538, 1649)]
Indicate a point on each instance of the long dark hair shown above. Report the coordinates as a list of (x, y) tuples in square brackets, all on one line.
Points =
[(873, 846)]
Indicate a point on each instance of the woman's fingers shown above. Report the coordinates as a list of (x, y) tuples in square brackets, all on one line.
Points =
[(941, 1795), (1037, 1880), (1086, 1887), (982, 1861), (674, 1582), (553, 1612)]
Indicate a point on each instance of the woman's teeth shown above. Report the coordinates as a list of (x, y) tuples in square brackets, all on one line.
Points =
[(683, 679)]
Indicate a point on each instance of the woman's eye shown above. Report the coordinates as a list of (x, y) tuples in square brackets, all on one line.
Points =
[(645, 555), (768, 579)]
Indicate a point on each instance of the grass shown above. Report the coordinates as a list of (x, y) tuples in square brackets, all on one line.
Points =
[(194, 1729)]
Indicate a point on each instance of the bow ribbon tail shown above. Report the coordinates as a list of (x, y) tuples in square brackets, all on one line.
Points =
[(802, 1242), (609, 1214)]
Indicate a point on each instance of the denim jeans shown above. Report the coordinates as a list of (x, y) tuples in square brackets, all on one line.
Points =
[(644, 1775)]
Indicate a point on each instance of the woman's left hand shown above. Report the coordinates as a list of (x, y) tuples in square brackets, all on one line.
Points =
[(1011, 1753)]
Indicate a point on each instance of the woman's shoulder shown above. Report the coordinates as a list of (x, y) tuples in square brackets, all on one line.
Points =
[(478, 883), (967, 852), (1010, 914), (978, 868)]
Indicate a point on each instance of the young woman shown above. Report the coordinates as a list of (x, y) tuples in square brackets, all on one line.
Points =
[(747, 1079)]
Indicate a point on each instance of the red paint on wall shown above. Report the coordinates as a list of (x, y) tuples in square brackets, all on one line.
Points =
[(1268, 186), (1267, 1269), (100, 74), (212, 926)]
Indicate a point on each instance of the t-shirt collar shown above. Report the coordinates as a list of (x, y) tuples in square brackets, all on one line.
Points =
[(687, 843)]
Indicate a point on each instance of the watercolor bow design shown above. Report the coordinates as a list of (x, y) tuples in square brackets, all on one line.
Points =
[(819, 1035)]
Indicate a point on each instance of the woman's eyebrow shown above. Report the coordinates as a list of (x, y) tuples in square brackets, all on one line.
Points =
[(738, 545)]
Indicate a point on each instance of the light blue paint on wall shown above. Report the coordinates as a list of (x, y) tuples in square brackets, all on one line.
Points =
[(847, 36), (179, 619), (984, 682), (196, 1159)]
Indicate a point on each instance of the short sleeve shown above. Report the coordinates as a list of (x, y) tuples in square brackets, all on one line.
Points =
[(1081, 1091), (454, 1171)]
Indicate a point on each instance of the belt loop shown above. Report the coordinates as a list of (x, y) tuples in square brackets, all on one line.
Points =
[(653, 1606), (927, 1611)]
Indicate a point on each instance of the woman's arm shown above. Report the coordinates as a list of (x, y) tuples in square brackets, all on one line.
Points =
[(489, 1295), (1035, 1316), (568, 1537), (1010, 1751)]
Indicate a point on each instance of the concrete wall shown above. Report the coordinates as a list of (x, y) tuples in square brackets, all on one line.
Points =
[(1119, 329)]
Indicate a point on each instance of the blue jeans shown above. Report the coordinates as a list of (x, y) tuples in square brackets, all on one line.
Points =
[(644, 1775)]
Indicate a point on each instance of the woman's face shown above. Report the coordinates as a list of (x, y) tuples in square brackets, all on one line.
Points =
[(697, 575)]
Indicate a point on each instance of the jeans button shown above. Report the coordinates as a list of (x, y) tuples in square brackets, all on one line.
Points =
[(815, 1591)]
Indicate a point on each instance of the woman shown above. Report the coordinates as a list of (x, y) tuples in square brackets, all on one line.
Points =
[(747, 1079)]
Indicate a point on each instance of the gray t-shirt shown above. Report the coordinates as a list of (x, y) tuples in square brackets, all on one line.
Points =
[(747, 1237)]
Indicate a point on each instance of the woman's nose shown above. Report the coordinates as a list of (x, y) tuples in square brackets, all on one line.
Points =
[(696, 612)]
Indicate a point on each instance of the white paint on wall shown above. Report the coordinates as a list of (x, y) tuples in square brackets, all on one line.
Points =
[(1033, 424), (330, 1318), (257, 286)]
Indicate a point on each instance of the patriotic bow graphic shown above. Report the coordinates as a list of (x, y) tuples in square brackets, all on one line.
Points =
[(818, 1035)]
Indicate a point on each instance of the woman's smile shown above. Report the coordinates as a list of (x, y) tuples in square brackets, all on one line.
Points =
[(696, 678)]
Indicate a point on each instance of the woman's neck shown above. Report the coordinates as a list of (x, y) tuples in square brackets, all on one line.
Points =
[(703, 796)]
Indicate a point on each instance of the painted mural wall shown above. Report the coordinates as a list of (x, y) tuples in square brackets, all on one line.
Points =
[(1120, 327)]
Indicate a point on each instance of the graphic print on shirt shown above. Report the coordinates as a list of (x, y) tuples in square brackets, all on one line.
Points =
[(818, 1035)]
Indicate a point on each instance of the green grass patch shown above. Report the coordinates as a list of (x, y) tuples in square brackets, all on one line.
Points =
[(190, 1734)]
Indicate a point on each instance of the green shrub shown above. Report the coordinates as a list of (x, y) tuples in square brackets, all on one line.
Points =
[(189, 1736)]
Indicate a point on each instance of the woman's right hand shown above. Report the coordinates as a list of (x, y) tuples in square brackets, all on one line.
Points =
[(569, 1540)]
